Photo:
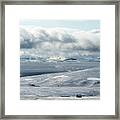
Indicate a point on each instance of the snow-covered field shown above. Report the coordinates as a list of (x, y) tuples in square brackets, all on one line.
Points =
[(60, 80)]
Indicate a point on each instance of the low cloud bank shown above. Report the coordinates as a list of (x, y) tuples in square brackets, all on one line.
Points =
[(59, 39)]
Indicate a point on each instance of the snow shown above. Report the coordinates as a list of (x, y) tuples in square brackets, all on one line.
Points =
[(74, 84), (93, 78)]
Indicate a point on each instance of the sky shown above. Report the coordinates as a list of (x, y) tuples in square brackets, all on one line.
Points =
[(84, 25), (60, 37)]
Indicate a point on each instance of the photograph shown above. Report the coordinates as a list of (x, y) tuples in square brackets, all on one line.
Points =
[(60, 54), (59, 59)]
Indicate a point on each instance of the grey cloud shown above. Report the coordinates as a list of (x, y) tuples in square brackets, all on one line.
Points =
[(59, 39)]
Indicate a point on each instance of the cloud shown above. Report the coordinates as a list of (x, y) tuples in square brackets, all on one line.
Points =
[(59, 39)]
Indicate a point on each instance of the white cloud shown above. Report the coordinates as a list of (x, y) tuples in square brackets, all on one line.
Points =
[(60, 39)]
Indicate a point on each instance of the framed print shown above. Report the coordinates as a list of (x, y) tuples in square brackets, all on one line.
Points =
[(60, 59)]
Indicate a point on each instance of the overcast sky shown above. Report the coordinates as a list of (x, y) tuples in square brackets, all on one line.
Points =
[(72, 24)]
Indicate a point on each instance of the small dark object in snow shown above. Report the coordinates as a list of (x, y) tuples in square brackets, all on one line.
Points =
[(65, 96), (79, 95), (33, 85), (98, 82)]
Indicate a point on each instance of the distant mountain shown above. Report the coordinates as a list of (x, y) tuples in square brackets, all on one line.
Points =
[(70, 59)]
